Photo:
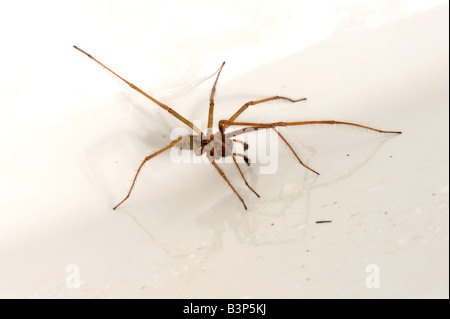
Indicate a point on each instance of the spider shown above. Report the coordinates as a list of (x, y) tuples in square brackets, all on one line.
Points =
[(220, 144)]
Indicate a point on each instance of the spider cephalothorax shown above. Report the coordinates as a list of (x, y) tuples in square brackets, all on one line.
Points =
[(220, 144), (215, 146)]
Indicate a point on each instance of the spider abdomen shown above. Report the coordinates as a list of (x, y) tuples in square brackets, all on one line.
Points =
[(193, 143)]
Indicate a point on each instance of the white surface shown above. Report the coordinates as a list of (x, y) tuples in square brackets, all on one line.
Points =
[(71, 137)]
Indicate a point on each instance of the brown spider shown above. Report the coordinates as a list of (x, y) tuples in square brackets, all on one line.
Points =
[(221, 144)]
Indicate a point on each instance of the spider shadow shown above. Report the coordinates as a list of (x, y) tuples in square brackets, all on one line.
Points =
[(151, 126), (116, 140), (270, 221), (195, 230), (358, 166), (260, 226)]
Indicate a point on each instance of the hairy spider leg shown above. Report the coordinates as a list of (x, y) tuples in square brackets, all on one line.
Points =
[(281, 136), (246, 105), (237, 165), (241, 142), (226, 179), (257, 126), (210, 121), (244, 131), (142, 164), (209, 132), (246, 160), (245, 145), (227, 150), (211, 101), (225, 124), (165, 107)]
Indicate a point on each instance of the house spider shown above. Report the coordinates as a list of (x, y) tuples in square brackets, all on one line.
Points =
[(220, 144)]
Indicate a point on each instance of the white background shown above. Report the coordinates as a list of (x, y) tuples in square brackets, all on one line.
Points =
[(71, 137)]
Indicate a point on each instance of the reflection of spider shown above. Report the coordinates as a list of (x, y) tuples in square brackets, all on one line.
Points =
[(221, 144)]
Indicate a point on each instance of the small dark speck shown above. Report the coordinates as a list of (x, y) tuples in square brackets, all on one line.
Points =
[(307, 279), (272, 224), (390, 156), (348, 154), (307, 250), (323, 221), (433, 194)]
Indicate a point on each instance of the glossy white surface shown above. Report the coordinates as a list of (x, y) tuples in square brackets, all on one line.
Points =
[(71, 137)]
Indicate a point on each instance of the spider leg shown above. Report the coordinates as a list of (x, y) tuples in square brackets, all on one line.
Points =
[(226, 179), (281, 136), (211, 101), (165, 107), (245, 145), (246, 105), (257, 126), (237, 165), (142, 164), (251, 129), (247, 161), (223, 124), (241, 142), (244, 131)]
